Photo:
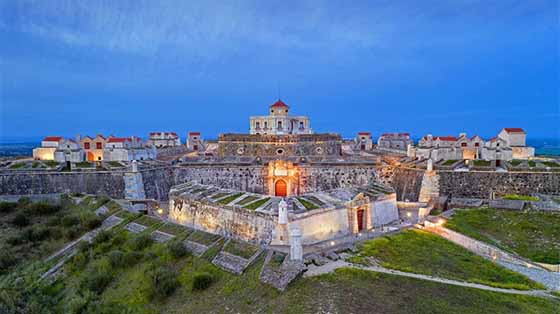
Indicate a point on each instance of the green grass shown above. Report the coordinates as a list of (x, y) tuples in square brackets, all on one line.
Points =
[(343, 291), (257, 204), (36, 164), (532, 163), (220, 195), (449, 162), (247, 200), (533, 235), (482, 163), (84, 164), (18, 165), (115, 164), (307, 204), (230, 198), (517, 197), (421, 252), (174, 229), (515, 162), (550, 164), (204, 238), (148, 221), (240, 249), (51, 163)]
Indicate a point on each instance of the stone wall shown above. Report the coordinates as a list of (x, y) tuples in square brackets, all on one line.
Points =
[(477, 184), (324, 177), (321, 225), (407, 182), (234, 222), (99, 182)]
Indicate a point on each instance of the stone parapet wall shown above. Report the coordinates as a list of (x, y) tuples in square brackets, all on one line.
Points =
[(479, 184)]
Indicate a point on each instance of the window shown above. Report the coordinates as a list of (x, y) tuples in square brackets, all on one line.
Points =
[(265, 125), (99, 158), (497, 144), (258, 125), (301, 125), (98, 145), (476, 144), (279, 124), (463, 144), (86, 145)]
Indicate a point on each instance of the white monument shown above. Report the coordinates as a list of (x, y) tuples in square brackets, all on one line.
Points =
[(282, 212), (430, 165)]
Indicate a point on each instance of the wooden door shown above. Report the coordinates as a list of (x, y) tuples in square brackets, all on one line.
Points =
[(360, 216), (281, 188)]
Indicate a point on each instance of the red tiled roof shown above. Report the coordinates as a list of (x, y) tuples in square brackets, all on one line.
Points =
[(514, 130), (279, 103), (364, 133), (101, 135), (446, 138), (194, 133), (394, 134), (52, 138), (117, 140)]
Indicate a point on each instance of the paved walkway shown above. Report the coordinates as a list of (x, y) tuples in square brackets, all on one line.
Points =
[(330, 267)]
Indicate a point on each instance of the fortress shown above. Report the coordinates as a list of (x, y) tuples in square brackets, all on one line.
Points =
[(282, 178)]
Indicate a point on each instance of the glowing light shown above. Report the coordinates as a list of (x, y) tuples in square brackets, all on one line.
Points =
[(441, 222), (332, 243), (409, 214), (160, 211)]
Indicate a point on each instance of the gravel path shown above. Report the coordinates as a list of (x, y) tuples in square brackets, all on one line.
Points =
[(330, 267)]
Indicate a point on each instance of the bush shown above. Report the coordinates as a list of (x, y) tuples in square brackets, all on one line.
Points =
[(54, 221), (7, 260), (72, 232), (132, 258), (70, 220), (15, 240), (43, 208), (140, 242), (98, 276), (116, 258), (201, 281), (164, 282), (102, 237), (6, 207), (20, 220), (83, 246), (36, 233), (91, 223), (23, 202), (177, 249), (80, 260)]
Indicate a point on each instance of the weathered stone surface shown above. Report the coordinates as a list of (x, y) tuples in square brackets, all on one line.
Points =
[(230, 262), (332, 256), (134, 227), (457, 202), (280, 277), (507, 204), (161, 237), (196, 249)]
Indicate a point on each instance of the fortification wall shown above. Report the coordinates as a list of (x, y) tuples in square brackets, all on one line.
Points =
[(110, 183), (238, 223), (323, 177), (322, 225), (407, 182), (478, 184)]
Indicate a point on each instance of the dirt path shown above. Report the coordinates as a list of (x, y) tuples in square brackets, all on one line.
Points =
[(332, 266)]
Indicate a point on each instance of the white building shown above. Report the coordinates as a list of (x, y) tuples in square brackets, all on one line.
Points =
[(48, 146), (516, 139), (363, 141), (394, 141), (164, 139), (69, 150), (195, 142), (279, 122), (128, 149)]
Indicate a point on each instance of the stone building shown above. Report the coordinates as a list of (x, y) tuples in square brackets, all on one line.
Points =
[(128, 149), (164, 139), (363, 141), (195, 142), (509, 144), (69, 150), (93, 147), (398, 141), (279, 122), (48, 146)]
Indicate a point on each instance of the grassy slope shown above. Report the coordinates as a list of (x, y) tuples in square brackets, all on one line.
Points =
[(422, 252), (534, 235)]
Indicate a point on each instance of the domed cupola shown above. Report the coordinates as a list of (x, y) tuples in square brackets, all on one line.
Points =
[(279, 108)]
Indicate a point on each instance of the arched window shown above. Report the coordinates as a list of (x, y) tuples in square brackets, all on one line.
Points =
[(279, 124)]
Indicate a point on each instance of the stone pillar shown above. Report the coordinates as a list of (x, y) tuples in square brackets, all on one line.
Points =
[(282, 212), (430, 166), (296, 248), (134, 166)]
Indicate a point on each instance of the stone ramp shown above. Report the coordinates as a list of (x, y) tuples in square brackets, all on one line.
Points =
[(230, 262), (135, 227), (280, 276), (161, 237), (196, 248)]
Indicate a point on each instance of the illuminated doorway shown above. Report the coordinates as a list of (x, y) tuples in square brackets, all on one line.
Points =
[(281, 188)]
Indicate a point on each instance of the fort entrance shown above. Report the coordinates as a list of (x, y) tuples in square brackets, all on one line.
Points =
[(283, 178), (280, 188)]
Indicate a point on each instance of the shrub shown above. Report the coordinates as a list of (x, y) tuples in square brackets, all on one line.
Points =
[(201, 281), (6, 207), (36, 233), (20, 220), (140, 242), (164, 282), (98, 276), (72, 232), (70, 220), (102, 237), (91, 223), (132, 258), (15, 240), (43, 208), (83, 246), (54, 221), (116, 258), (177, 249), (23, 202), (80, 260), (7, 259)]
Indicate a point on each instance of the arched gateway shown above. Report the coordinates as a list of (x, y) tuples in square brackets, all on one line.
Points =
[(281, 188)]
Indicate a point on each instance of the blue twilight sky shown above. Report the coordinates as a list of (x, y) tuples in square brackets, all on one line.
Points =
[(131, 67)]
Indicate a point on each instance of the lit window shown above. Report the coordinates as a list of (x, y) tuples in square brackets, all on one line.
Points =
[(86, 145), (98, 145)]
